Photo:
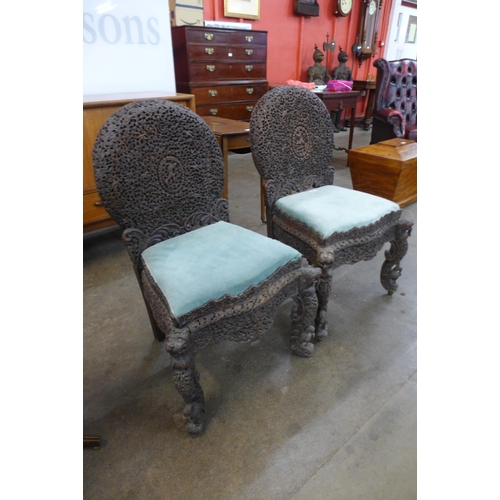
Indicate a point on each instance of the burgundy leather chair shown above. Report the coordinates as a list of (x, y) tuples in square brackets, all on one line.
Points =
[(395, 109)]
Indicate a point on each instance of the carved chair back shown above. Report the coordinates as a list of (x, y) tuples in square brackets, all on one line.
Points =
[(153, 169), (292, 141), (397, 89)]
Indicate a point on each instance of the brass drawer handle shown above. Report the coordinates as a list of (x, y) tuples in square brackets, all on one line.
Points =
[(209, 36), (98, 203), (211, 67), (249, 52), (213, 93), (213, 111), (209, 50), (250, 91), (249, 67), (250, 108), (249, 38)]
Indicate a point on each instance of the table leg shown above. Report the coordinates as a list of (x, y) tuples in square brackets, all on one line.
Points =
[(262, 204), (351, 128), (225, 155), (369, 109)]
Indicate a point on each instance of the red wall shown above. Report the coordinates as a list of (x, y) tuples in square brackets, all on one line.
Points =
[(291, 38)]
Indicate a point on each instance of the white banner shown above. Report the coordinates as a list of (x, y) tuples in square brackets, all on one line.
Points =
[(127, 46)]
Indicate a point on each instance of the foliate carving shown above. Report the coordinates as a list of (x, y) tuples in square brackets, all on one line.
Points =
[(136, 241), (349, 247), (274, 190), (169, 174), (303, 317), (302, 144), (391, 269)]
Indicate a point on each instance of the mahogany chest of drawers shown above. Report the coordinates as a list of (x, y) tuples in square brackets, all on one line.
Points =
[(225, 69)]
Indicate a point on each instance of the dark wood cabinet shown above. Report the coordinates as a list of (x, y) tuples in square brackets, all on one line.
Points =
[(225, 69)]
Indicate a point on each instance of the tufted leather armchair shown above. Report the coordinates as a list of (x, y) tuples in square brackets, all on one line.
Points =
[(395, 110)]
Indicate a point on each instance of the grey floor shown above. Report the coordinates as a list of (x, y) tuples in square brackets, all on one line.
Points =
[(341, 425)]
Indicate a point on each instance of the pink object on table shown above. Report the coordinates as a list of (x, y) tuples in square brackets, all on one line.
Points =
[(339, 85), (306, 85)]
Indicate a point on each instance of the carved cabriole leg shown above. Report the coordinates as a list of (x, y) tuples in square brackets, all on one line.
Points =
[(324, 260), (186, 380), (179, 345), (391, 269), (323, 289), (303, 316)]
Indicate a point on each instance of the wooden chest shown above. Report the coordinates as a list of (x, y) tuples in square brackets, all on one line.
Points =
[(387, 169), (225, 69)]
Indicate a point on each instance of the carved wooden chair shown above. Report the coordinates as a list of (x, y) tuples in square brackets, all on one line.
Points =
[(395, 108), (291, 136), (159, 172)]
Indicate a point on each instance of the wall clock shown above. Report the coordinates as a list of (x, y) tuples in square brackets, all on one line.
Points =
[(344, 7), (368, 29)]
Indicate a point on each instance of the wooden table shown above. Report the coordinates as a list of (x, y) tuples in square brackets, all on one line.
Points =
[(387, 169), (231, 134), (337, 101), (365, 86)]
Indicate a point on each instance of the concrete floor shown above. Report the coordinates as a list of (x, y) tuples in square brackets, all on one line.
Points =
[(341, 425)]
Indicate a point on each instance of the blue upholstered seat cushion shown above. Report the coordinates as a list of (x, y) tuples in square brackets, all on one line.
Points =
[(211, 262), (333, 209)]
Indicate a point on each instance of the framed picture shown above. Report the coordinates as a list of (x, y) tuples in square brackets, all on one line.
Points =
[(244, 9)]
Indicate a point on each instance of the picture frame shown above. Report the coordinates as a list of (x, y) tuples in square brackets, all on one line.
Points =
[(243, 9)]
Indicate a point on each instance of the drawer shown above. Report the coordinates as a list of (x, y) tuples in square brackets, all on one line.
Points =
[(222, 93), (212, 52), (244, 92), (248, 38), (208, 36), (205, 72), (93, 210), (240, 111)]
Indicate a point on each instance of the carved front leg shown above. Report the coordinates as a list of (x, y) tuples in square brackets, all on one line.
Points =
[(303, 315), (391, 269), (324, 288), (186, 380)]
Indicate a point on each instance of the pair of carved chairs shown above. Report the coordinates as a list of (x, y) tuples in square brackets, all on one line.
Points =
[(291, 137), (395, 108), (160, 174)]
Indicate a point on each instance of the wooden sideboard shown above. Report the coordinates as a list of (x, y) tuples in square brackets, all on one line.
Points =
[(224, 68), (96, 110)]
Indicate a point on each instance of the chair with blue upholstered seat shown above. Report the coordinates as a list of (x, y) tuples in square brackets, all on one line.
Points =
[(291, 136), (160, 174)]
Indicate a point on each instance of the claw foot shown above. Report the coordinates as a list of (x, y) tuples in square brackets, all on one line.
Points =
[(321, 326), (301, 343), (195, 416)]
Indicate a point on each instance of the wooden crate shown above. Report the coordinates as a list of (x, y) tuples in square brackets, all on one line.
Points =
[(387, 169)]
